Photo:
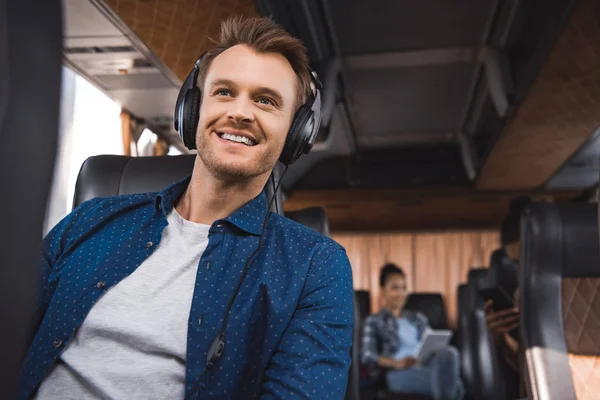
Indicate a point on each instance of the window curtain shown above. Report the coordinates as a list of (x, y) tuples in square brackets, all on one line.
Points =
[(432, 261)]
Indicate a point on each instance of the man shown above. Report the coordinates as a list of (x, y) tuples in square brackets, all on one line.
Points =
[(504, 324), (391, 341), (136, 287)]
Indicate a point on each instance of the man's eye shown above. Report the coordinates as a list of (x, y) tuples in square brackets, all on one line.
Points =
[(266, 101), (222, 92)]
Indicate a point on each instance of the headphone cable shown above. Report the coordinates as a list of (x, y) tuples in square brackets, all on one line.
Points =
[(216, 348)]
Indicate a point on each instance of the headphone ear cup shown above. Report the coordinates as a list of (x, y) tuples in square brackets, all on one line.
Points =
[(190, 117), (298, 138)]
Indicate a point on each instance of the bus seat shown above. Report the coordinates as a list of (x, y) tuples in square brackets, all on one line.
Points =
[(559, 301), (30, 87), (478, 355), (111, 175), (463, 308), (431, 305), (503, 272), (363, 301), (313, 217)]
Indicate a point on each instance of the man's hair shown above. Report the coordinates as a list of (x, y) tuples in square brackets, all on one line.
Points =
[(263, 36), (510, 232), (388, 270)]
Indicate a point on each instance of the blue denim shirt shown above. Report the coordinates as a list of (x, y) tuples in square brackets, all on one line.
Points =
[(289, 332)]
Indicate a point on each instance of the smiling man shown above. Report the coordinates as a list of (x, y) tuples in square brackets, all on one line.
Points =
[(198, 291)]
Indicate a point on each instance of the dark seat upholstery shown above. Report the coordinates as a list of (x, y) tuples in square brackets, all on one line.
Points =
[(362, 308), (313, 217), (110, 175), (560, 301), (431, 305), (30, 87), (464, 309), (478, 354), (502, 272)]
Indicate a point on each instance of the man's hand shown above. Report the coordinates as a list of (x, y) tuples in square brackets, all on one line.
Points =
[(501, 322), (405, 363)]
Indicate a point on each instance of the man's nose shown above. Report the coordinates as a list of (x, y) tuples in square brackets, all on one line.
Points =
[(241, 110)]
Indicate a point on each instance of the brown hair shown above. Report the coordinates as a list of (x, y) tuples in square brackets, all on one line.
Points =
[(263, 36)]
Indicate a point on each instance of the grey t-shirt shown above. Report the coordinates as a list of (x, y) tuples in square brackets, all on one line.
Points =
[(132, 344)]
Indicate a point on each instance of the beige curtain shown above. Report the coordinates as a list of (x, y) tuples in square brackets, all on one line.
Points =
[(433, 262)]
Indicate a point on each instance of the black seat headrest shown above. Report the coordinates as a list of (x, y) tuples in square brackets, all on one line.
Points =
[(431, 305), (110, 175), (313, 217), (502, 272), (363, 303), (477, 280)]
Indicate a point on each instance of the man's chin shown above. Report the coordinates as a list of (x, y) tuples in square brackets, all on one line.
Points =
[(235, 172)]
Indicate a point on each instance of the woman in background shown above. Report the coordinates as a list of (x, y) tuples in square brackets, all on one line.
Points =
[(391, 341)]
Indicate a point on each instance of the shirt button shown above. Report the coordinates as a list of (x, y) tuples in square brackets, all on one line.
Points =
[(149, 244), (208, 265), (200, 320), (101, 285), (57, 343)]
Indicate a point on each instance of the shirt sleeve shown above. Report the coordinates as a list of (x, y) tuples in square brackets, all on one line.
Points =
[(313, 357), (53, 246), (368, 354)]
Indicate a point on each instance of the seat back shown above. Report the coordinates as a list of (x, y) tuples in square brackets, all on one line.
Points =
[(463, 308), (313, 217), (110, 175), (30, 87), (502, 272), (477, 279), (431, 305), (559, 301), (362, 308), (478, 354)]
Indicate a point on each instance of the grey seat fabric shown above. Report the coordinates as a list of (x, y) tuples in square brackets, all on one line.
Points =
[(30, 83), (560, 311)]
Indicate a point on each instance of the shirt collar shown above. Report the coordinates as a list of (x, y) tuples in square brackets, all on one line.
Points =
[(249, 217)]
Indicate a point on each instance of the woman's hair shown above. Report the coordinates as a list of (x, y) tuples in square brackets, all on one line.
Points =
[(388, 270)]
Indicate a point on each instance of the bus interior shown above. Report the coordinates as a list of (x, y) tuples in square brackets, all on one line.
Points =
[(437, 115)]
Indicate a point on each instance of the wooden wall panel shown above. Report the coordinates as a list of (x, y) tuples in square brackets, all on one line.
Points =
[(433, 261)]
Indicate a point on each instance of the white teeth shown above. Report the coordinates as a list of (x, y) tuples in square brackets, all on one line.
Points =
[(238, 139)]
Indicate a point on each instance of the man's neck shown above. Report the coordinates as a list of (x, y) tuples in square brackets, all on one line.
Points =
[(208, 198)]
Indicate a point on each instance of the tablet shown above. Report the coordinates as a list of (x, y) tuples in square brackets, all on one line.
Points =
[(431, 342)]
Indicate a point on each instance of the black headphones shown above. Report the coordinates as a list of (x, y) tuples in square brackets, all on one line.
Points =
[(300, 138)]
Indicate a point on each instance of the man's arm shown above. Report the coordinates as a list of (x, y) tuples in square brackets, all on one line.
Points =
[(53, 245), (313, 357)]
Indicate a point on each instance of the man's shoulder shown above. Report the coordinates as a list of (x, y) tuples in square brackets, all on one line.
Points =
[(101, 208), (115, 203)]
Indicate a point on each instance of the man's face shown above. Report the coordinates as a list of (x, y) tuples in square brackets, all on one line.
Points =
[(246, 97)]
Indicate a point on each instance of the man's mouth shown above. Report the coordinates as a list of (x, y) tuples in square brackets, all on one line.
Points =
[(236, 138)]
